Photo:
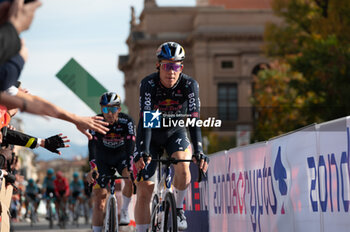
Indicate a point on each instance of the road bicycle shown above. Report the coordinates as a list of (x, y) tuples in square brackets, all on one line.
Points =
[(51, 209), (62, 216), (163, 209), (80, 209), (31, 211), (111, 218)]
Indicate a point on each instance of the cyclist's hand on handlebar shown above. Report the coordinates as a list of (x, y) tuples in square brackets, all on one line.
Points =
[(144, 159), (202, 160), (90, 176)]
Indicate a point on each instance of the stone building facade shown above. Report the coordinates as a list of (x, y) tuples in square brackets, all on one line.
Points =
[(223, 44)]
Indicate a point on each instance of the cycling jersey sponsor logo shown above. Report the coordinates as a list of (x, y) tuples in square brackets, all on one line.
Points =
[(147, 101), (178, 141), (122, 120), (113, 140), (192, 102), (178, 93), (151, 82), (168, 102), (131, 137), (131, 128), (168, 105)]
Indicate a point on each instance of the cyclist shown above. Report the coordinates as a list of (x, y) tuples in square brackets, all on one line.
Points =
[(48, 187), (61, 191), (31, 194), (168, 91), (76, 187), (111, 150)]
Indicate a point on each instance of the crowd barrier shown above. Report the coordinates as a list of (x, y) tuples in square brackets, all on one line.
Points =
[(295, 182)]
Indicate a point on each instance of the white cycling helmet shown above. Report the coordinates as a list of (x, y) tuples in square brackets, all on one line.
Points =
[(110, 98), (171, 51)]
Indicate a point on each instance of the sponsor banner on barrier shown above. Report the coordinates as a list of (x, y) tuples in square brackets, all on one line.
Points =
[(289, 201), (263, 187), (332, 192), (296, 182), (217, 169)]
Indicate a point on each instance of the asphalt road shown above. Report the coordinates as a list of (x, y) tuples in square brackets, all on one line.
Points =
[(43, 226)]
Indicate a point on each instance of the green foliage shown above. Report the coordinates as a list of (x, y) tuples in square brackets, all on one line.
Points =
[(277, 104), (325, 64), (310, 81), (220, 143)]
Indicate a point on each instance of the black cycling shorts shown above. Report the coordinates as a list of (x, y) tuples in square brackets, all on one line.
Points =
[(48, 191), (76, 194), (61, 194), (116, 160), (33, 197), (177, 141)]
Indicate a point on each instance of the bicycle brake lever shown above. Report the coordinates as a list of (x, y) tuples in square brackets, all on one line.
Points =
[(133, 182), (139, 175), (201, 175)]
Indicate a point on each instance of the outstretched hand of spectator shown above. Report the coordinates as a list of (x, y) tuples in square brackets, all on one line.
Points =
[(21, 15), (93, 123), (54, 142)]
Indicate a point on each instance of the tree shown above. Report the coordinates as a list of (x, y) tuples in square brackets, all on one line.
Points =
[(313, 67), (277, 104)]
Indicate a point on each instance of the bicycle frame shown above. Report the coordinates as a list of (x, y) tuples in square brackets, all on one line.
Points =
[(164, 187), (112, 198), (50, 200), (31, 210)]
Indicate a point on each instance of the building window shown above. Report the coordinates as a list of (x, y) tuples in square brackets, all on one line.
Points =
[(227, 64), (227, 101)]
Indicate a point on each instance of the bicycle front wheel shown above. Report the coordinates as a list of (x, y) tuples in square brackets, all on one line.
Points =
[(154, 213), (50, 216), (170, 218), (111, 220)]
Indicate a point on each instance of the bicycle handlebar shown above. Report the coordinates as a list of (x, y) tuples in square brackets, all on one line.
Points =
[(115, 177), (171, 160)]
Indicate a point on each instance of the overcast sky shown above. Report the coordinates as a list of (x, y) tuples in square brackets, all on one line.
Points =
[(93, 33)]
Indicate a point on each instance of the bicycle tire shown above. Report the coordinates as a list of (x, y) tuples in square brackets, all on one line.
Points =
[(86, 212), (50, 216), (112, 222), (31, 215), (154, 215), (76, 213), (170, 217), (63, 215)]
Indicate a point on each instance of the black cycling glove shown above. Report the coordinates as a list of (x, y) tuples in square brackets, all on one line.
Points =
[(54, 142), (199, 156), (139, 155), (10, 178)]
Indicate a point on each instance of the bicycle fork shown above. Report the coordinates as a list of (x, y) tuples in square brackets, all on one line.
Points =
[(111, 198)]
